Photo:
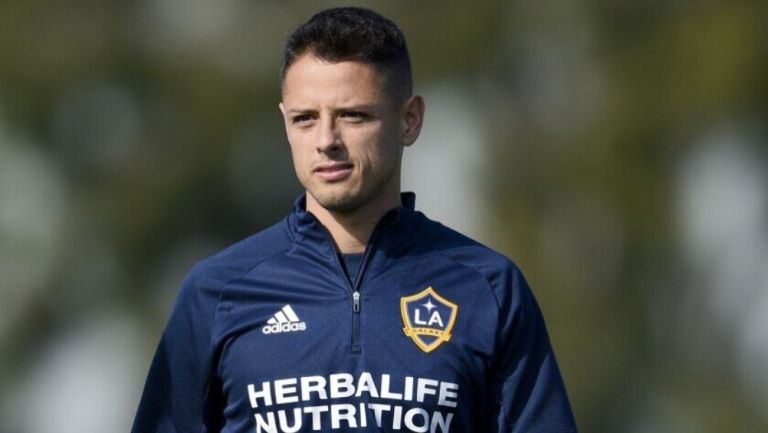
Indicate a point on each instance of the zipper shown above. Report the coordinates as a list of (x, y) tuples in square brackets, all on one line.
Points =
[(355, 286), (356, 302)]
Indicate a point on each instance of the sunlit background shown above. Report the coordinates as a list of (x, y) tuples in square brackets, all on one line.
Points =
[(616, 150)]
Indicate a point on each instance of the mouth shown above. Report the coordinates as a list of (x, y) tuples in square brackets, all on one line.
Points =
[(333, 172)]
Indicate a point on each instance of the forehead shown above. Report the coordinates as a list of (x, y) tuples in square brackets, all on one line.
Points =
[(311, 80)]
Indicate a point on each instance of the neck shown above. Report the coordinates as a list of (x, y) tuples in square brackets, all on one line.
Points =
[(352, 230)]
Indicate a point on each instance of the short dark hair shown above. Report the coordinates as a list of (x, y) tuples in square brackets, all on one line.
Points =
[(354, 33)]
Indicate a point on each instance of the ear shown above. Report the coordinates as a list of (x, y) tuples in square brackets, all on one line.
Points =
[(413, 118), (282, 108)]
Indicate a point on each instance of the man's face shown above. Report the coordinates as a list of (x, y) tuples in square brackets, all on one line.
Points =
[(345, 132)]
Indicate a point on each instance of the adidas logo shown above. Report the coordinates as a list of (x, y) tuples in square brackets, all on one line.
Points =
[(284, 320)]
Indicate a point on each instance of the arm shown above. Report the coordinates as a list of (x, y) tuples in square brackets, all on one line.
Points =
[(180, 394), (527, 391)]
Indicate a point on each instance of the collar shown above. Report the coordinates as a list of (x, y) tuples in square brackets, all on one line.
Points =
[(400, 223)]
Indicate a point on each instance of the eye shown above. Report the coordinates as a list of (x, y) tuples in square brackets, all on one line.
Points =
[(301, 119), (355, 116)]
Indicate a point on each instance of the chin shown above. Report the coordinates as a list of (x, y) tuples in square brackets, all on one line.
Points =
[(339, 201)]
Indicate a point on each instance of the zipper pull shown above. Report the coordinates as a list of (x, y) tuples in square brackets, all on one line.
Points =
[(356, 301)]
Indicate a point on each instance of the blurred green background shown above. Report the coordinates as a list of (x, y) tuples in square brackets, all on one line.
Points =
[(616, 150)]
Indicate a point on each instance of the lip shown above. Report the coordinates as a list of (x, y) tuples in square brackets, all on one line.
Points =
[(333, 172)]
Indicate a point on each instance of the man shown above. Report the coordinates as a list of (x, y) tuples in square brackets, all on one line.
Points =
[(355, 313)]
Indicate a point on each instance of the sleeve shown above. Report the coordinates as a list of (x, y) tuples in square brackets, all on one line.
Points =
[(527, 391), (180, 394)]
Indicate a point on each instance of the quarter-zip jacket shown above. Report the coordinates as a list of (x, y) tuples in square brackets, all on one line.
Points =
[(437, 334)]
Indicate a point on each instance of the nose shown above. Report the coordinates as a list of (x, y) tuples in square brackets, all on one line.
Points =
[(329, 139)]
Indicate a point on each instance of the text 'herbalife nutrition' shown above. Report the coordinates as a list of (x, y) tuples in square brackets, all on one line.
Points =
[(365, 402)]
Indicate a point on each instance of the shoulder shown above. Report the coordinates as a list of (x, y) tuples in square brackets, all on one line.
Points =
[(463, 249), (213, 272), (501, 273)]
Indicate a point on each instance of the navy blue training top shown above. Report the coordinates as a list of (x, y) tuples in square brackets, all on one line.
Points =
[(437, 333)]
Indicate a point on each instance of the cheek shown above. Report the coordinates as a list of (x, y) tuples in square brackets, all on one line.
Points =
[(300, 157), (375, 147), (297, 143), (387, 152)]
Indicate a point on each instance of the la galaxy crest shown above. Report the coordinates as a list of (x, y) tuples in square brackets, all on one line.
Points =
[(428, 318)]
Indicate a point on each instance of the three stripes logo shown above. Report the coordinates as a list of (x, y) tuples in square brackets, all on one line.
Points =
[(284, 320)]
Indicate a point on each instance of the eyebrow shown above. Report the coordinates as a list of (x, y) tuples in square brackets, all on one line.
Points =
[(361, 107)]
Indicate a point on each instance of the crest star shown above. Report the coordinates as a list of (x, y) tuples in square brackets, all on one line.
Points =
[(429, 305)]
